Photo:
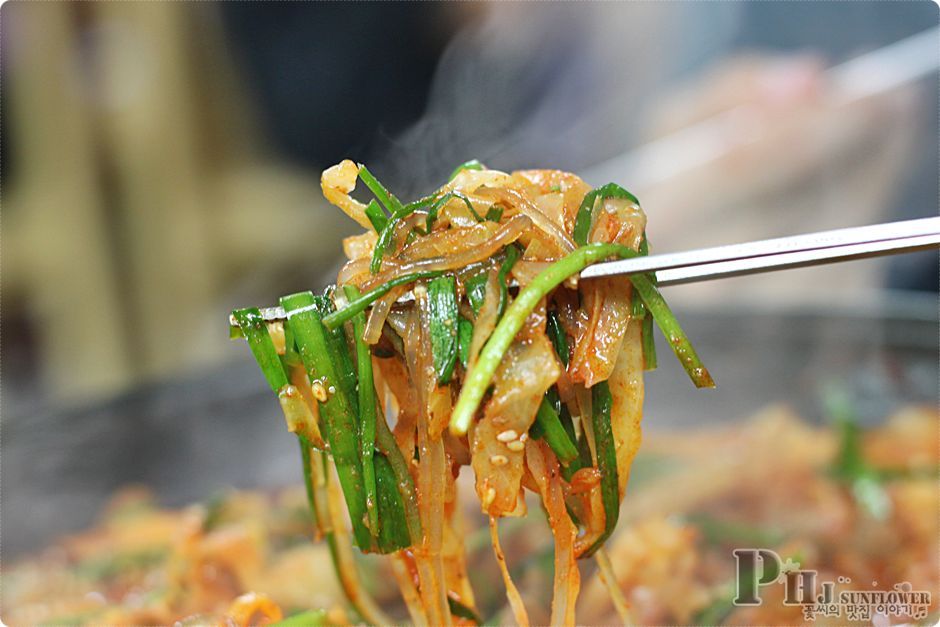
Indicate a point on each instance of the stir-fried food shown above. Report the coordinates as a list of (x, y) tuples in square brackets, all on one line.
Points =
[(458, 334)]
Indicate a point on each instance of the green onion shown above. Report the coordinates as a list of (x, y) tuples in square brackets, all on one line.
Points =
[(601, 402), (478, 380), (512, 256), (310, 618), (585, 217), (850, 466), (255, 330), (389, 448), (649, 345), (367, 413), (394, 207), (383, 242), (460, 610), (473, 164), (678, 340), (393, 534), (442, 310), (339, 352), (464, 339), (554, 433), (719, 609), (556, 333), (494, 214), (324, 363), (440, 202), (475, 287), (376, 216), (717, 531), (336, 318), (388, 200)]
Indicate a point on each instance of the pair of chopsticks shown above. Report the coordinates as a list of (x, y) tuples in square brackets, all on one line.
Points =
[(780, 253), (762, 256)]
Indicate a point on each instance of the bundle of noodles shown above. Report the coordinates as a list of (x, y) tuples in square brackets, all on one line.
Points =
[(458, 334)]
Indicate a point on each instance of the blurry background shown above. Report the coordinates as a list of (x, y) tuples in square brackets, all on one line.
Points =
[(161, 165)]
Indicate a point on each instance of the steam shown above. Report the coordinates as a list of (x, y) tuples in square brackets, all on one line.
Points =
[(541, 85)]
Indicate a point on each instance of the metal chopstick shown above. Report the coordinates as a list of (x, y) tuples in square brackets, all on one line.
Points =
[(823, 240), (761, 256), (800, 259)]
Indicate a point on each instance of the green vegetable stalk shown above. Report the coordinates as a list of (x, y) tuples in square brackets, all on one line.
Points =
[(323, 360), (336, 318), (601, 403), (367, 414), (442, 310)]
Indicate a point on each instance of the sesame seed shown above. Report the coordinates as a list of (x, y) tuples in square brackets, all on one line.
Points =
[(507, 436), (489, 497), (499, 460), (516, 446), (319, 390)]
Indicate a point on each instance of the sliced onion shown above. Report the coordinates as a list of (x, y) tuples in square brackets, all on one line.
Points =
[(431, 467), (359, 246), (504, 235), (525, 207), (626, 389), (607, 303), (444, 242), (544, 469), (512, 593), (379, 313), (409, 593), (337, 181), (498, 441)]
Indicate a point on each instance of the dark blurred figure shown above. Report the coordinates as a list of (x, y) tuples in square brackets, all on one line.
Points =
[(331, 77)]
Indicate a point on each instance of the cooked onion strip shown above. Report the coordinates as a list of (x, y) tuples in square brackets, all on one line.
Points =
[(606, 571), (506, 234), (512, 593), (525, 207)]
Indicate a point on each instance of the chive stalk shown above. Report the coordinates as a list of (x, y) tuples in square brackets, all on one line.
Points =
[(678, 340), (376, 216), (255, 331), (405, 482), (367, 414), (556, 333), (393, 534), (475, 286), (440, 202), (464, 339), (472, 164), (554, 433), (388, 199), (442, 312), (460, 610), (512, 256), (322, 359), (478, 380), (601, 402), (336, 318), (585, 216), (309, 618)]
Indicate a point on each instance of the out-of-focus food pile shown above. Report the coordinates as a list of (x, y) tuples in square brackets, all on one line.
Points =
[(846, 503)]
